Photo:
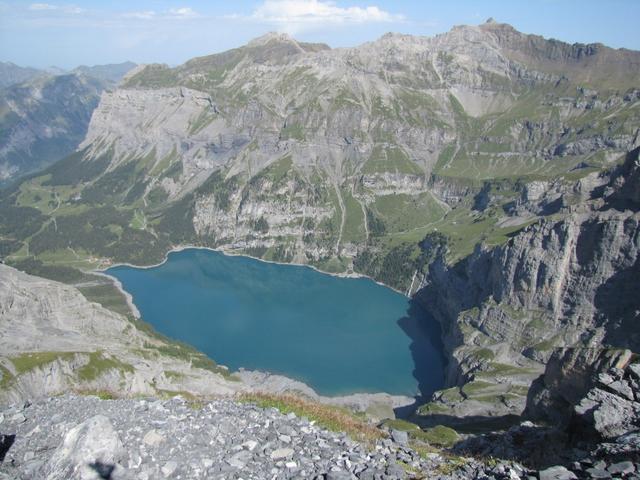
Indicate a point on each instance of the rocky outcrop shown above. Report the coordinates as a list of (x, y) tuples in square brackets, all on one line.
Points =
[(569, 375), (52, 339), (593, 393), (567, 281), (588, 418)]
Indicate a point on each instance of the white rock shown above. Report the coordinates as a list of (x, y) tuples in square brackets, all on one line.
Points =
[(250, 445), (18, 418), (153, 438), (169, 467), (281, 453), (91, 441)]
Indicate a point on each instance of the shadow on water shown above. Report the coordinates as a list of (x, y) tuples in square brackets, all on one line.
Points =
[(427, 352)]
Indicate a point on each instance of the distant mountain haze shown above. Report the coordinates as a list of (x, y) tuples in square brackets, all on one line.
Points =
[(45, 114)]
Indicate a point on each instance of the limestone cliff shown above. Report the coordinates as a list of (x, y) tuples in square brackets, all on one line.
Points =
[(568, 280)]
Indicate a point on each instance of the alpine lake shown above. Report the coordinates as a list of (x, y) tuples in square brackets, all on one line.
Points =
[(338, 335)]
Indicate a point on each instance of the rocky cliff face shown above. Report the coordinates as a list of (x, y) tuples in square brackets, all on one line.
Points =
[(588, 412), (565, 281)]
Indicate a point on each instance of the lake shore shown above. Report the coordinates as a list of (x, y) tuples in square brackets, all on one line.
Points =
[(231, 253)]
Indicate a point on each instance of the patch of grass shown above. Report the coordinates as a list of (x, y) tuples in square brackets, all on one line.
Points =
[(278, 170), (354, 230), (138, 221), (409, 469), (399, 424), (484, 354), (101, 394), (402, 212), (545, 345), (154, 76), (59, 273), (451, 465), (496, 368), (423, 449), (331, 265), (432, 408), (6, 379), (190, 355), (295, 132), (108, 296), (29, 361), (332, 418), (173, 375), (391, 159), (439, 435), (473, 388), (99, 364)]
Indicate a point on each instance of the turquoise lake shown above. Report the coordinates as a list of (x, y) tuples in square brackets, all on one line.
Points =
[(338, 335)]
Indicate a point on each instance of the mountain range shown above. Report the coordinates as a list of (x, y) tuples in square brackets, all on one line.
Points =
[(489, 174)]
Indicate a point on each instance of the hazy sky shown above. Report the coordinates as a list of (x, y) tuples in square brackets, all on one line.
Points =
[(166, 31)]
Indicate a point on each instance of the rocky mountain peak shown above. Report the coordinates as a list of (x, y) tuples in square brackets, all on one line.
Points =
[(279, 37)]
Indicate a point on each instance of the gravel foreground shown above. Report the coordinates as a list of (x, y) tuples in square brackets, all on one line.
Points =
[(84, 437)]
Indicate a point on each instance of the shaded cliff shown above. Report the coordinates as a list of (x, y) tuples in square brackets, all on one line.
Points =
[(568, 280)]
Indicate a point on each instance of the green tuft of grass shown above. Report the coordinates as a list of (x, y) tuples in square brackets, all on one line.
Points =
[(6, 379), (99, 364), (101, 394), (451, 465), (399, 424), (29, 361), (189, 354), (439, 435)]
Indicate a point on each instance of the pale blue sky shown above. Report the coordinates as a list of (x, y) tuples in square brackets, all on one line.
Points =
[(50, 32)]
